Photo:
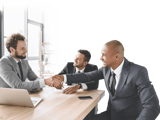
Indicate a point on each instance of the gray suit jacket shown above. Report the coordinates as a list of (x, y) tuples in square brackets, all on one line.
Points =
[(10, 76), (135, 97)]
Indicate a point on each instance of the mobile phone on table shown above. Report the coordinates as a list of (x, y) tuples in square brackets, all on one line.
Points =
[(84, 97)]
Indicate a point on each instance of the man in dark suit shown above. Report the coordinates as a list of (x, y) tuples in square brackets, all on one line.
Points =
[(131, 94), (81, 65)]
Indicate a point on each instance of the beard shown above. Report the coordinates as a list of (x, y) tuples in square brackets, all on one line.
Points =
[(78, 66), (19, 56)]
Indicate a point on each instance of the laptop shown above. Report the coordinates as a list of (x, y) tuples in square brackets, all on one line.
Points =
[(18, 97)]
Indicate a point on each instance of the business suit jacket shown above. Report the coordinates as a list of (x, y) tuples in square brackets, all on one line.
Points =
[(10, 76), (69, 68), (135, 97)]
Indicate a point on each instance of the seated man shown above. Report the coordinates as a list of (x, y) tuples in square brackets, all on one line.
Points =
[(131, 94), (80, 65), (14, 69)]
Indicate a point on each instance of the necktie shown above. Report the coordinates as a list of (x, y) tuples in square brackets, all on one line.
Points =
[(113, 83), (79, 72), (20, 68)]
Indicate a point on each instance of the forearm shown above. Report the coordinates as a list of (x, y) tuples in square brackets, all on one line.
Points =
[(84, 77), (147, 114)]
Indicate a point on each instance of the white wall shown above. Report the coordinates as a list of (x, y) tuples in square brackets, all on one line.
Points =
[(89, 24)]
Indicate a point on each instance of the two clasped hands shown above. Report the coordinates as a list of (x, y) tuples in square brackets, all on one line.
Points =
[(57, 82)]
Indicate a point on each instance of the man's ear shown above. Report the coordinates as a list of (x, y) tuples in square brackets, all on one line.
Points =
[(12, 49), (85, 63), (117, 55)]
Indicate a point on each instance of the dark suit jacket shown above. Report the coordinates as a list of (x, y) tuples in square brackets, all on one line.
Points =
[(69, 68), (135, 97)]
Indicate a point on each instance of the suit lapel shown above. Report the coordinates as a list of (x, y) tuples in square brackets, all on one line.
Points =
[(123, 77), (15, 66), (74, 70)]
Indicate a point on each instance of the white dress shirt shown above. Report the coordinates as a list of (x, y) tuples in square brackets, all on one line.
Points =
[(84, 86), (117, 72), (41, 81)]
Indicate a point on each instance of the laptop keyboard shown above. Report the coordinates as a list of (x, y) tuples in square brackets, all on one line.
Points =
[(34, 101)]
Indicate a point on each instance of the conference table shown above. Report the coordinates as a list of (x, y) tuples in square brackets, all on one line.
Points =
[(54, 106)]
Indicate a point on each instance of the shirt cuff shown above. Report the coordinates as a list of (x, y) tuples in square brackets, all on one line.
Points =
[(65, 79), (42, 83), (84, 86)]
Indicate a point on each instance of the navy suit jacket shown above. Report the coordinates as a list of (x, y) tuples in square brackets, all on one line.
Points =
[(69, 68), (135, 97)]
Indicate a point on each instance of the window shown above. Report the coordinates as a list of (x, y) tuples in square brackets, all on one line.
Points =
[(31, 20), (13, 20)]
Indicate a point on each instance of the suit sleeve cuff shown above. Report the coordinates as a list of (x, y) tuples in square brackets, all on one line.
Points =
[(84, 86), (65, 78)]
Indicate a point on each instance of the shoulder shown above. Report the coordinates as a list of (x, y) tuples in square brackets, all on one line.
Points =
[(136, 68), (5, 59), (69, 65), (6, 63), (91, 66)]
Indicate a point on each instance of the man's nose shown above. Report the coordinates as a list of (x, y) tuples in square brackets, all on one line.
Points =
[(26, 50), (100, 59), (75, 59)]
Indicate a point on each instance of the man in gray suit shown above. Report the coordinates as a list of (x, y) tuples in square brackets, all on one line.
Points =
[(14, 69), (131, 94)]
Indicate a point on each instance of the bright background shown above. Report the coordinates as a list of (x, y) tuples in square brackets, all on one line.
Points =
[(88, 24)]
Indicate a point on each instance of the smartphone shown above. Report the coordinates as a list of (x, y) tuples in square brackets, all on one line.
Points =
[(84, 97)]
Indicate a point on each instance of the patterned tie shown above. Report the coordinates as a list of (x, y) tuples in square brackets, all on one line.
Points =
[(113, 83), (20, 68)]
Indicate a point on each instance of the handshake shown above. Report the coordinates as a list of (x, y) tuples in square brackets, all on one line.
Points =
[(55, 81)]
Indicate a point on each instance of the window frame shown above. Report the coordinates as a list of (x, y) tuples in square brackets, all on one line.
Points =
[(26, 22)]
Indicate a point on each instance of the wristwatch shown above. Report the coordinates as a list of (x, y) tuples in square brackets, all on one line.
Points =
[(80, 85)]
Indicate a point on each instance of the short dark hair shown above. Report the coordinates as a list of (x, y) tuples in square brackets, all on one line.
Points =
[(86, 54), (13, 40)]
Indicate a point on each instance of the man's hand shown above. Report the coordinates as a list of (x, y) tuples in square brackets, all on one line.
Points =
[(53, 83), (49, 82), (58, 78), (57, 84), (71, 90)]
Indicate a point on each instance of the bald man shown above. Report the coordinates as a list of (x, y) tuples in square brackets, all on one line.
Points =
[(131, 94)]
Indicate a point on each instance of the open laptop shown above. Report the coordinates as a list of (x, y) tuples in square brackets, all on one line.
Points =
[(19, 97)]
